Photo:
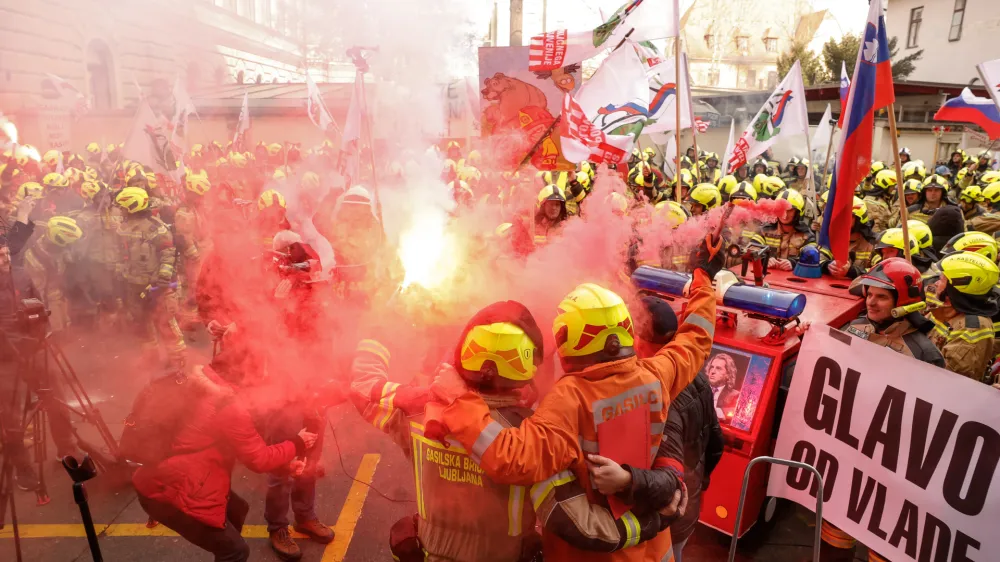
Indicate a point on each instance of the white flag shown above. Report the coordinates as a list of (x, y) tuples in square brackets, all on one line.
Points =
[(663, 95), (243, 125), (67, 91), (316, 109), (616, 98), (350, 141), (670, 156), (989, 71), (638, 20), (582, 141), (821, 136), (729, 148), (783, 114), (148, 142)]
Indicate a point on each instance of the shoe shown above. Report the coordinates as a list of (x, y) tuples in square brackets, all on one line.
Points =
[(25, 478), (316, 531), (284, 546)]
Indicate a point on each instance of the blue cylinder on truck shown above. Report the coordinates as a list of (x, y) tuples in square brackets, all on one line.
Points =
[(775, 303)]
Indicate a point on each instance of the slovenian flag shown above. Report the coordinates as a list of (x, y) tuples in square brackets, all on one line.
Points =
[(845, 88), (969, 108), (871, 90)]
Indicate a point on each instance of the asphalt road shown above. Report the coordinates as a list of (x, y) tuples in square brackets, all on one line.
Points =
[(368, 486)]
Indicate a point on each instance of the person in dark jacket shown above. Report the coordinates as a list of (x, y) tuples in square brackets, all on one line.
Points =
[(189, 491), (692, 443)]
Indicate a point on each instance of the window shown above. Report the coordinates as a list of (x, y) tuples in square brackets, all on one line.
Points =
[(751, 79), (772, 79), (743, 44), (100, 75), (916, 16), (957, 17), (771, 44), (713, 77)]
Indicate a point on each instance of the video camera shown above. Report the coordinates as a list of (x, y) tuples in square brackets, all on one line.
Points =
[(32, 318)]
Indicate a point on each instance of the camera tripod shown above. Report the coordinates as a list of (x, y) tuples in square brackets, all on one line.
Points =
[(42, 401), (9, 435)]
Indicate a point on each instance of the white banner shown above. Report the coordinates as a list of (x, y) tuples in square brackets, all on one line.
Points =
[(663, 94), (783, 114), (908, 451)]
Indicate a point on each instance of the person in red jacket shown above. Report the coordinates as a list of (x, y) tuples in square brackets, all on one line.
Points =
[(189, 491)]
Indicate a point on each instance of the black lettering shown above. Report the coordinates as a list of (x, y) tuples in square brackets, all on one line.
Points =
[(847, 409), (878, 508), (906, 528), (920, 466), (857, 506), (934, 526), (982, 472), (798, 479), (820, 410), (962, 544), (889, 409), (828, 467)]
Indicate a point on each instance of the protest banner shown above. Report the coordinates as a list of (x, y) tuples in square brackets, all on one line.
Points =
[(908, 451)]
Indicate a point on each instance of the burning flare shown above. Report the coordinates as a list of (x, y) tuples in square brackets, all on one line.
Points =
[(428, 251)]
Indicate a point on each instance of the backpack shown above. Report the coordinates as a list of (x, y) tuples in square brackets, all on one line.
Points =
[(158, 414)]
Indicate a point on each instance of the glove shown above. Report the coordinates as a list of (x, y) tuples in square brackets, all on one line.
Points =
[(709, 256)]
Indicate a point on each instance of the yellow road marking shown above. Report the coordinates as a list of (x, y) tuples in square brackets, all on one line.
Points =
[(335, 551), (351, 512), (42, 531)]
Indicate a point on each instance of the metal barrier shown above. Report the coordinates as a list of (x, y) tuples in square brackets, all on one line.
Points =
[(817, 540)]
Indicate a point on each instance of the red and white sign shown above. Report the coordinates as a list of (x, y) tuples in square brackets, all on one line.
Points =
[(548, 51)]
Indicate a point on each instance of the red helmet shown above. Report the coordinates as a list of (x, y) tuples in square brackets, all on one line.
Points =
[(896, 274)]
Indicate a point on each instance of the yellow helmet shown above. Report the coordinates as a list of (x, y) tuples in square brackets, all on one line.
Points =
[(893, 238), (133, 199), (588, 317), (63, 231), (473, 158), (151, 181), (793, 197), (877, 166), (274, 149), (743, 190), (551, 192), (30, 189), (686, 178), (504, 344), (503, 230), (706, 194), (773, 185), (885, 180), (975, 242), (914, 170), (758, 182), (618, 202), (51, 158), (197, 184), (583, 178), (237, 160), (860, 210), (727, 184), (673, 211), (89, 189), (991, 192), (310, 180), (94, 148), (988, 177), (920, 232), (588, 168), (279, 175), (270, 198), (972, 194), (55, 180), (970, 273), (912, 187), (936, 181)]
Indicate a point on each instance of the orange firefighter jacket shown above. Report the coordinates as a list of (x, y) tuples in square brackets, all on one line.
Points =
[(550, 446), (463, 514)]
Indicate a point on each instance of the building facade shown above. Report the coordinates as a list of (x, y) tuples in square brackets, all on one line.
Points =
[(954, 35)]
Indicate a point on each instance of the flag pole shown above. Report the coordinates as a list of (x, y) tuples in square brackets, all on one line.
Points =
[(694, 130), (829, 151), (810, 182), (899, 182), (371, 151), (677, 123)]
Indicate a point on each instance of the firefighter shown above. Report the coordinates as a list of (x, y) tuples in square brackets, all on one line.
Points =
[(686, 182), (551, 213), (271, 217), (914, 170), (877, 197), (647, 181), (933, 196), (675, 215), (710, 172), (904, 156), (703, 198), (800, 176), (989, 221), (969, 200), (963, 330), (876, 167), (912, 188), (99, 253), (760, 167), (498, 354), (861, 247), (890, 245), (46, 263), (893, 294), (578, 189), (595, 338), (927, 255), (150, 275), (789, 234), (192, 239), (956, 162)]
